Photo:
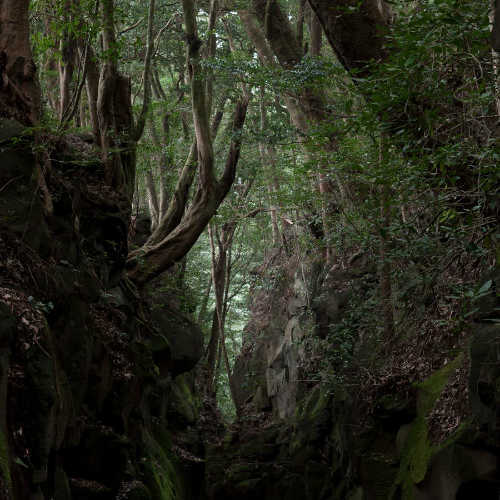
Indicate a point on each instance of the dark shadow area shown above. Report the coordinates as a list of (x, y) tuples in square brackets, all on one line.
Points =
[(485, 490)]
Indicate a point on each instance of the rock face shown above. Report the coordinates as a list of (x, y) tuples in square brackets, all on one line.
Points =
[(97, 391), (326, 441), (91, 392), (266, 372)]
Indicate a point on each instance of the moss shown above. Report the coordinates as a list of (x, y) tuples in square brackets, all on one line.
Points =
[(183, 401), (313, 405), (164, 481), (431, 388), (418, 450)]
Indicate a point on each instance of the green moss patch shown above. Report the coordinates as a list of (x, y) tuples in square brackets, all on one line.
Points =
[(418, 450), (163, 478), (183, 401)]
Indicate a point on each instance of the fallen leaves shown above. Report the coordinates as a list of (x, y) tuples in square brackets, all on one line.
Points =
[(31, 320)]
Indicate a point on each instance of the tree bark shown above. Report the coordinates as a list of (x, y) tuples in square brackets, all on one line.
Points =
[(67, 61), (19, 88), (300, 23), (152, 196), (278, 31), (92, 87), (219, 261), (176, 208), (316, 35), (106, 91), (266, 57), (141, 121), (153, 259), (495, 32), (220, 278), (355, 30), (50, 68)]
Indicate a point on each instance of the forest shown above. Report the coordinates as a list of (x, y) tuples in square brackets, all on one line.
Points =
[(249, 249)]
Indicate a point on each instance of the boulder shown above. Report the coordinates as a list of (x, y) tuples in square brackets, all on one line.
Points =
[(178, 346)]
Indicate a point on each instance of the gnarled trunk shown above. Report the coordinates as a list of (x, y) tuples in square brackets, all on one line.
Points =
[(157, 256)]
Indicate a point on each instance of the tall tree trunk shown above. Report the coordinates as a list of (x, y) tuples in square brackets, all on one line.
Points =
[(153, 259), (266, 56), (316, 35), (67, 61), (19, 88), (218, 279), (165, 161), (146, 100), (50, 69), (221, 282), (204, 304), (92, 87), (107, 87), (152, 197), (179, 199), (156, 259), (300, 23), (118, 136)]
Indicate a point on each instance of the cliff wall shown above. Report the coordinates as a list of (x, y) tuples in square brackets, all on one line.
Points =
[(92, 387)]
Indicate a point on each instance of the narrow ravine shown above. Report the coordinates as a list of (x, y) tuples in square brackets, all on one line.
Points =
[(249, 250)]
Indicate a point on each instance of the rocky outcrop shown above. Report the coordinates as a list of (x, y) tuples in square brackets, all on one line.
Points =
[(92, 390), (266, 372), (353, 437), (98, 394)]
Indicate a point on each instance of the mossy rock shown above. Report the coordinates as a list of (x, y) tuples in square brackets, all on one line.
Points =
[(484, 386), (417, 450), (356, 494), (11, 131), (161, 474), (21, 210), (311, 425), (313, 405), (183, 404), (179, 345)]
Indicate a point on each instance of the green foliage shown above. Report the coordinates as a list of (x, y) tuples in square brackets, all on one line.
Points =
[(417, 136)]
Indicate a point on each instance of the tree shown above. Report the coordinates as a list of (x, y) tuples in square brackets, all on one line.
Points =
[(19, 91), (355, 30), (161, 251)]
